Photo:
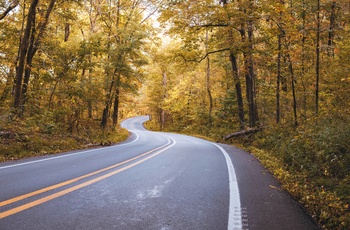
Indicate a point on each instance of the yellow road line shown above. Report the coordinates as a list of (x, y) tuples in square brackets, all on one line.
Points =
[(63, 192)]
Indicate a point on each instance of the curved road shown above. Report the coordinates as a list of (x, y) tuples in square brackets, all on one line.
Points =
[(152, 181)]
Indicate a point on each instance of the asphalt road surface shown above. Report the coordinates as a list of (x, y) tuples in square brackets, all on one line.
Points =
[(154, 180)]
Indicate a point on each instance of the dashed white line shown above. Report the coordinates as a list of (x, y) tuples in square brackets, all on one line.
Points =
[(235, 201)]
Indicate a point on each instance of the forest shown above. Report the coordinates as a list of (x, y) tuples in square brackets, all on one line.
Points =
[(271, 77)]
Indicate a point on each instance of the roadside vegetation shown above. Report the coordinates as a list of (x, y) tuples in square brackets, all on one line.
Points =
[(313, 164), (37, 136)]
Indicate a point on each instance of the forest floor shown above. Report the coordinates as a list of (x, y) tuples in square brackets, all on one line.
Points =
[(28, 137)]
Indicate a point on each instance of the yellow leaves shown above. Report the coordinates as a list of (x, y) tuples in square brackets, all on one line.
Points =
[(325, 172), (272, 186), (324, 215), (326, 206)]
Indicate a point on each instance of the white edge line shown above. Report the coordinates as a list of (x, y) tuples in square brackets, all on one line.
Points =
[(235, 210), (69, 154), (234, 216), (72, 154)]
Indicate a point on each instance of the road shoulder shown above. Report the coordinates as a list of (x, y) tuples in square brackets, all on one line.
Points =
[(265, 205)]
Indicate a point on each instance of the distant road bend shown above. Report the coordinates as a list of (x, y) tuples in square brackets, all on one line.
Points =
[(154, 180)]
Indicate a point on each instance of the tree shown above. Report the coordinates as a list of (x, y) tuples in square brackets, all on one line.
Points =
[(198, 19), (31, 41), (126, 27)]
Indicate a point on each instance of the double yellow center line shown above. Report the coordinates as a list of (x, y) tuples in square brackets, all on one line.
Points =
[(31, 204)]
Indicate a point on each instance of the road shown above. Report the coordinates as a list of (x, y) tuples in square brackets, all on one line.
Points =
[(152, 181)]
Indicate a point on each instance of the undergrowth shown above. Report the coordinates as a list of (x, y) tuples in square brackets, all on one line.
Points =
[(313, 164), (40, 135)]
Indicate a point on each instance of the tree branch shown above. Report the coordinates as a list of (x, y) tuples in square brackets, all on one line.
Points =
[(242, 133), (8, 10), (211, 25), (205, 56)]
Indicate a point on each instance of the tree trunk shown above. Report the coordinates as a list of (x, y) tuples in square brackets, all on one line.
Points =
[(252, 77), (279, 77), (303, 61), (66, 31), (293, 90), (27, 70), (162, 114), (116, 102), (29, 46), (278, 84), (238, 88), (317, 56), (90, 100), (105, 113), (209, 92), (208, 81), (331, 29), (8, 85), (22, 56), (249, 74), (242, 133), (116, 107)]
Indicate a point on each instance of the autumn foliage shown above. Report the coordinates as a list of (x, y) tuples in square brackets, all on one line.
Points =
[(72, 69), (280, 67)]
